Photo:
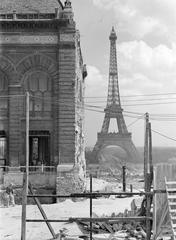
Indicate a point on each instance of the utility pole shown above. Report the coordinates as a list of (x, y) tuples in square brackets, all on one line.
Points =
[(124, 178), (148, 171), (150, 154), (146, 151), (26, 174)]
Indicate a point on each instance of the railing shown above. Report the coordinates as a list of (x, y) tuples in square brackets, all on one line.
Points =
[(36, 169)]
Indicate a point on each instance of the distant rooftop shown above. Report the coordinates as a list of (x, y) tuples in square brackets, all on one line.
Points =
[(29, 6)]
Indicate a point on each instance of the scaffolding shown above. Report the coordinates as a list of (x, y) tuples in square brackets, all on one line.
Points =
[(148, 173)]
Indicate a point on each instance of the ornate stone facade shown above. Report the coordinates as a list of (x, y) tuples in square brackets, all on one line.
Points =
[(40, 53)]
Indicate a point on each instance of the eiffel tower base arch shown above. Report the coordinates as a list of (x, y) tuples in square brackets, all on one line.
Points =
[(115, 139)]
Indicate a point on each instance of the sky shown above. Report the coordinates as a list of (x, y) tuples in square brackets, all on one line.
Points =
[(146, 49)]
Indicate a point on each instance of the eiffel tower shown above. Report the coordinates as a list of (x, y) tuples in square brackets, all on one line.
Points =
[(113, 109)]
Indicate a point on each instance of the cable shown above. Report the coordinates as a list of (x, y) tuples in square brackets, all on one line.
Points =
[(139, 95), (145, 104), (135, 121), (163, 135), (90, 108), (157, 117), (136, 100)]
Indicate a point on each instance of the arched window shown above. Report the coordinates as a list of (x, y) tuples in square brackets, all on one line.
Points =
[(39, 86), (3, 91)]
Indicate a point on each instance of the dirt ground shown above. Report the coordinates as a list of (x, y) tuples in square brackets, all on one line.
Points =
[(10, 218)]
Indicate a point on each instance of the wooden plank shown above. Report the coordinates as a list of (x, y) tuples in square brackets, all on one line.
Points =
[(171, 196), (172, 210), (170, 182), (42, 212), (171, 189), (172, 203), (105, 225), (161, 171)]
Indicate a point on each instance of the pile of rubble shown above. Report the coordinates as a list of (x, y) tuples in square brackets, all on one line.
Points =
[(129, 230), (119, 230)]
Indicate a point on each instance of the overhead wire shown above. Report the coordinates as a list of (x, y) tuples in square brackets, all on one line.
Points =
[(138, 95), (163, 135), (132, 123), (100, 109), (137, 115), (137, 100), (96, 106), (162, 117)]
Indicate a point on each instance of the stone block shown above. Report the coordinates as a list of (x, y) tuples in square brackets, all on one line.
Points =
[(68, 180), (15, 177)]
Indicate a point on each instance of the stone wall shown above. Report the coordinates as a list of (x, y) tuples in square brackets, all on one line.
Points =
[(68, 180), (44, 180), (52, 47)]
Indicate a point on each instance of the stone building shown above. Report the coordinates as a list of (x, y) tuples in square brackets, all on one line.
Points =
[(41, 54)]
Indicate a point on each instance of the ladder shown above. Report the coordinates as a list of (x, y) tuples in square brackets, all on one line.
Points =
[(171, 200)]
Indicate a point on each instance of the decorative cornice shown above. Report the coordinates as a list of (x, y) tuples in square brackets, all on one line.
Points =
[(10, 24), (28, 39)]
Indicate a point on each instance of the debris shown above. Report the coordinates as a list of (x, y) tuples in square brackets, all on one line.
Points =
[(119, 230)]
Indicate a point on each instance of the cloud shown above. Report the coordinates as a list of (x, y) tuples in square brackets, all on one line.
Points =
[(142, 70), (148, 69), (144, 18), (96, 83)]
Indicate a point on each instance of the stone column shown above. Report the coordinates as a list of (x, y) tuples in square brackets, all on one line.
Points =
[(66, 116), (14, 133)]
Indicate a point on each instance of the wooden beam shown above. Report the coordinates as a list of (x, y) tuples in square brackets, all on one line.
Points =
[(90, 207), (146, 149), (94, 194), (110, 219), (42, 212)]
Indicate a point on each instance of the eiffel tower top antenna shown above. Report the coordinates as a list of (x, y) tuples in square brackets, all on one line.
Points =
[(113, 86)]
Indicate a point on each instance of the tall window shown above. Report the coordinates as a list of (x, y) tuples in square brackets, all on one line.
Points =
[(3, 91), (39, 86)]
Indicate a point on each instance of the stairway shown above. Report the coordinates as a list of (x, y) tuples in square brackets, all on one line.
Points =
[(171, 199)]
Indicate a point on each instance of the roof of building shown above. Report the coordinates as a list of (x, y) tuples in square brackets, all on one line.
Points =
[(29, 6)]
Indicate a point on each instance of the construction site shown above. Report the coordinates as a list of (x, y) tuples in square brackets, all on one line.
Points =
[(52, 185)]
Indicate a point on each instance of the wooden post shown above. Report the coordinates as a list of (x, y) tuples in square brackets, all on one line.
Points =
[(124, 178), (26, 174), (148, 207), (90, 206), (149, 180), (146, 150), (150, 155), (131, 188)]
